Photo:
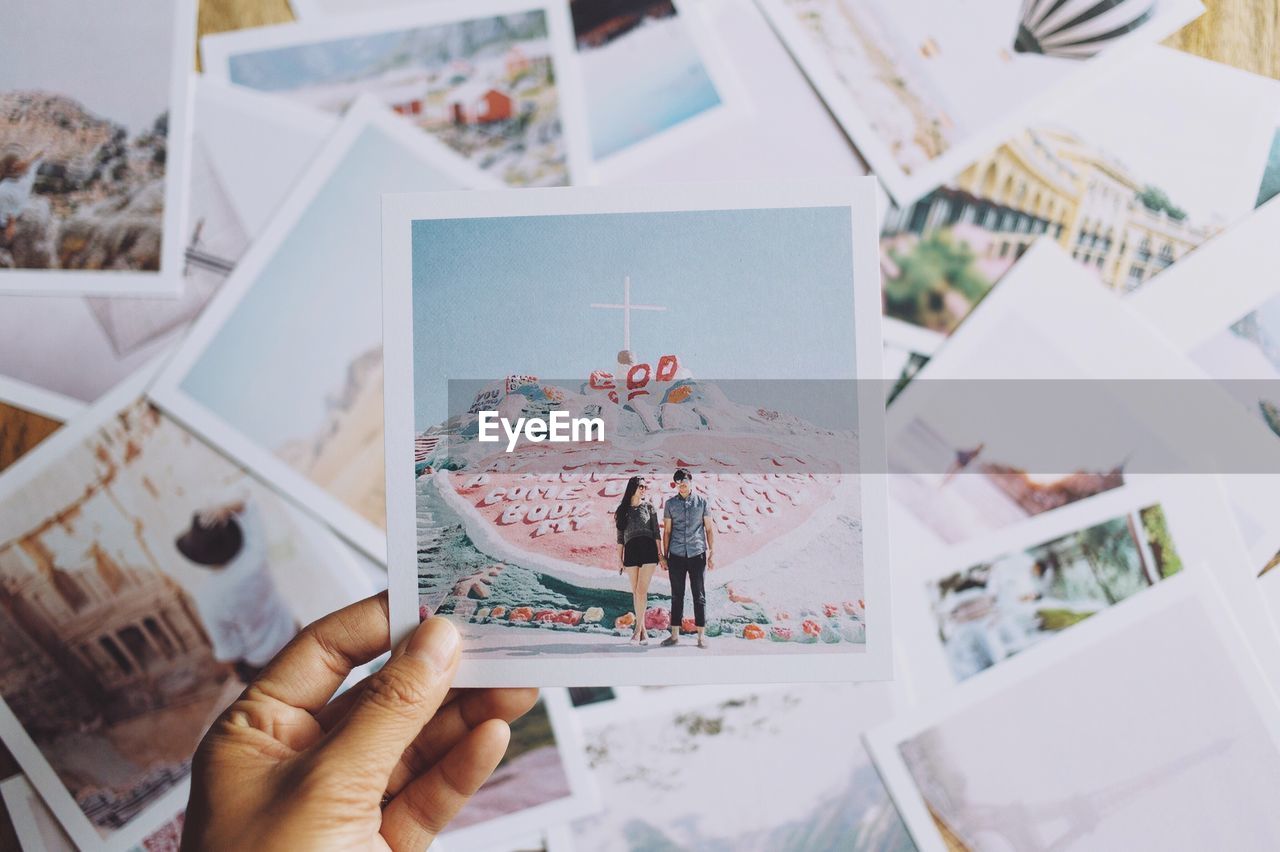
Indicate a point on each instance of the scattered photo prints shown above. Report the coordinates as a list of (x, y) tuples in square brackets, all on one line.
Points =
[(316, 433), (491, 80), (518, 543), (922, 88), (38, 829), (651, 72), (542, 781), (972, 609), (963, 470), (94, 146), (61, 352), (1155, 729), (780, 769), (1223, 314), (1130, 174), (146, 579)]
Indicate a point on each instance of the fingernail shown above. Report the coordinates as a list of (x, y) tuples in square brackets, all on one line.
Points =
[(435, 642)]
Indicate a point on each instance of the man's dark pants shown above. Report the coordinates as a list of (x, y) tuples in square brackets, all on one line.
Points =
[(695, 568)]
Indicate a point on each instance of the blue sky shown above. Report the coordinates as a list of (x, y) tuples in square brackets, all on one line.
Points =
[(341, 60), (751, 294), (316, 305)]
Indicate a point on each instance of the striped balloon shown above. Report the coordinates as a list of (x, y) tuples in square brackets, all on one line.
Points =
[(1077, 29)]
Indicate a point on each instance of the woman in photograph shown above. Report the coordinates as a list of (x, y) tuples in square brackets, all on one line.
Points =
[(639, 549)]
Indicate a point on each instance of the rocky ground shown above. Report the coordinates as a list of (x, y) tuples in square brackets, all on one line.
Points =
[(98, 198)]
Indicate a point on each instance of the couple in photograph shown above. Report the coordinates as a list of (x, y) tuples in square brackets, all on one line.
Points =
[(682, 545)]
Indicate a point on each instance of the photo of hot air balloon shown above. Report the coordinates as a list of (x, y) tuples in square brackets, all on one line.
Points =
[(922, 88), (1078, 29)]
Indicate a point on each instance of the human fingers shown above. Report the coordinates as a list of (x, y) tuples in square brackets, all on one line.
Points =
[(316, 662), (396, 703), (452, 723), (426, 805)]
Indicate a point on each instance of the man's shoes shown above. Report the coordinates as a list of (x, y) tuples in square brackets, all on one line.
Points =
[(669, 641), (701, 642)]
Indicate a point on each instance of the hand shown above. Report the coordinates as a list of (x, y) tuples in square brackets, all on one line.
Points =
[(385, 765), (711, 561)]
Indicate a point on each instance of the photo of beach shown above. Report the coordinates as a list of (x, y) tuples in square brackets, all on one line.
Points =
[(485, 86), (84, 155), (641, 70)]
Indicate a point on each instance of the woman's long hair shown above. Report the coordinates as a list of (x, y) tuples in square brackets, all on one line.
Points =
[(620, 516)]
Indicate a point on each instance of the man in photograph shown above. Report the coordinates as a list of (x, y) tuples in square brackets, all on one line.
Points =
[(689, 539)]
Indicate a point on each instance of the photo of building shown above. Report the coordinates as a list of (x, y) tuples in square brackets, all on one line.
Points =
[(140, 578), (1114, 176), (1044, 181)]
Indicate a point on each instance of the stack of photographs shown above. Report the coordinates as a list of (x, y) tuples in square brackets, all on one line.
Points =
[(916, 363)]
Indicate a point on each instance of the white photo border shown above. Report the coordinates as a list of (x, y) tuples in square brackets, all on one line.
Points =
[(218, 50), (168, 280), (167, 392), (859, 195)]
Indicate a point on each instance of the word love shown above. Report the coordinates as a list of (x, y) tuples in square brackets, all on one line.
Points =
[(558, 428)]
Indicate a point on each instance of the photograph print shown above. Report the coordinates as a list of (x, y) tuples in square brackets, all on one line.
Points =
[(315, 433), (922, 88), (94, 145), (649, 68), (670, 546), (781, 770), (1115, 174), (1163, 736), (541, 781), (144, 580), (490, 79), (1002, 606)]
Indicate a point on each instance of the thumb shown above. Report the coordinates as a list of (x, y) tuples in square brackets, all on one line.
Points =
[(397, 701)]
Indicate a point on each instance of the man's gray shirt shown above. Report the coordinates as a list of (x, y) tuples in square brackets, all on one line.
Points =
[(688, 524)]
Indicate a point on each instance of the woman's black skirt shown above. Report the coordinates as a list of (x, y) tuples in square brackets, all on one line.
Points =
[(641, 550)]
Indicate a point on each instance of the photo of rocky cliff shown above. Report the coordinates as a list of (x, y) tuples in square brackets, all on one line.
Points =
[(78, 191)]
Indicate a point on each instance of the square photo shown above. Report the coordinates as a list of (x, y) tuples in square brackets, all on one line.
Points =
[(146, 580), (490, 80), (709, 523), (94, 144)]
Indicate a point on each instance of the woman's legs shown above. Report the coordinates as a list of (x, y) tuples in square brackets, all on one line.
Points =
[(632, 579), (640, 594)]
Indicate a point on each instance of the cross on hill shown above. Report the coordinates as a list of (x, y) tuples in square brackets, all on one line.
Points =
[(627, 307)]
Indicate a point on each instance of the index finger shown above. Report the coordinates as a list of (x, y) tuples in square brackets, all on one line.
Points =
[(307, 672)]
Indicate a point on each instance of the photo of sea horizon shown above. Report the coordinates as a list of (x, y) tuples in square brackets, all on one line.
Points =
[(487, 86), (642, 71)]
